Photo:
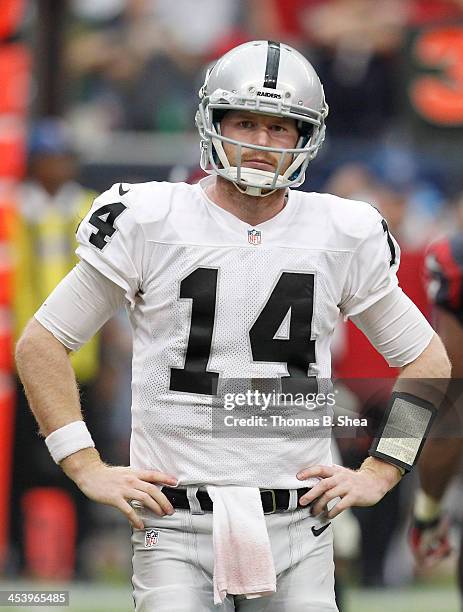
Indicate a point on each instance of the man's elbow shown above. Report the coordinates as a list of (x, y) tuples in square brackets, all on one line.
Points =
[(432, 363), (443, 368), (26, 341), (35, 341), (442, 364)]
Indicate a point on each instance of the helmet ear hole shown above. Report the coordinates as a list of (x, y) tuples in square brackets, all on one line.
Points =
[(305, 129), (218, 114)]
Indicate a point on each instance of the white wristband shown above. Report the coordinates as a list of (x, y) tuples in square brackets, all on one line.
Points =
[(68, 440)]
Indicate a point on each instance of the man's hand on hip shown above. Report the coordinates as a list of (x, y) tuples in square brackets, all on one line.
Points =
[(364, 487), (117, 485)]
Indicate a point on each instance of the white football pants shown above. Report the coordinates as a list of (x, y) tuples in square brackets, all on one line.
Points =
[(173, 564)]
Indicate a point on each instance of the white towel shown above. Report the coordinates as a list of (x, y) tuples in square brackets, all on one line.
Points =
[(243, 561)]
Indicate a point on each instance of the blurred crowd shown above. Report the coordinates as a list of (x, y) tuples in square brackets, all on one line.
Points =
[(138, 65)]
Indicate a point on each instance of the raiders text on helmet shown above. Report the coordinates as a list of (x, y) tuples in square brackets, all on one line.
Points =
[(269, 78)]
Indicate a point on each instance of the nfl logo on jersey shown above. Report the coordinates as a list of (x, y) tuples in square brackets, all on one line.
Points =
[(151, 538), (254, 236)]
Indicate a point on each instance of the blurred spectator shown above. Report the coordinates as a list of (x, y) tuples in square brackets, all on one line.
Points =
[(213, 20), (358, 43), (283, 20), (375, 24), (354, 46), (361, 26), (153, 50), (411, 223), (123, 54), (50, 204), (425, 12)]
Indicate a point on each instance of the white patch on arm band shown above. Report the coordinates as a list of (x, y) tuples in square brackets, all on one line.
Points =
[(396, 328), (406, 426), (82, 302)]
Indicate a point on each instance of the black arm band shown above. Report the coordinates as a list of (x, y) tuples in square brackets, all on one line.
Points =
[(403, 430)]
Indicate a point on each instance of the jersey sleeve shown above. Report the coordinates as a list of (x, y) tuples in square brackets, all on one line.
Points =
[(444, 275), (373, 270), (396, 328), (79, 306), (110, 239)]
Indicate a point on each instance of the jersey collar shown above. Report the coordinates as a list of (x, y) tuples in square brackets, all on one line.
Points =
[(224, 217)]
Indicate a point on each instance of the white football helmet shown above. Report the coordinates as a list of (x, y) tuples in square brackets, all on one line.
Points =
[(269, 78)]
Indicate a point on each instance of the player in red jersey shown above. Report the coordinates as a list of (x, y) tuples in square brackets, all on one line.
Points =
[(441, 454)]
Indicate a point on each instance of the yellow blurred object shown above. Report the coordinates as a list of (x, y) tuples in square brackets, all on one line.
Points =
[(44, 253)]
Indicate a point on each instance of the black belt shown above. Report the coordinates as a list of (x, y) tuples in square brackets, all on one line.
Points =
[(273, 500)]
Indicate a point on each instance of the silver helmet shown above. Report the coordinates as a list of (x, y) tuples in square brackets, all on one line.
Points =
[(269, 78)]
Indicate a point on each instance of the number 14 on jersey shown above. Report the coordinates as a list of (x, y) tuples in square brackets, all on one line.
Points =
[(292, 296)]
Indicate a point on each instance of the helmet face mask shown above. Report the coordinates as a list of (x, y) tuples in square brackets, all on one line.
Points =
[(252, 78)]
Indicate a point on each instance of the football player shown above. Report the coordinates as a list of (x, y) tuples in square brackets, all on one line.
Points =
[(440, 460), (228, 282)]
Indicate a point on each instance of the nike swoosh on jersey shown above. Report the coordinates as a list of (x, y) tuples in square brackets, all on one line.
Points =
[(122, 192), (320, 530)]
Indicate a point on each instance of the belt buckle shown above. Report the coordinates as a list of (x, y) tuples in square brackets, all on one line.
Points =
[(274, 501)]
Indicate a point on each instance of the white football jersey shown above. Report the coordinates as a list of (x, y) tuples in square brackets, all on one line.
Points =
[(213, 299)]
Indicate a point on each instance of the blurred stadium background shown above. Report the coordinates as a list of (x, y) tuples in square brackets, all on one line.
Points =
[(99, 91)]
